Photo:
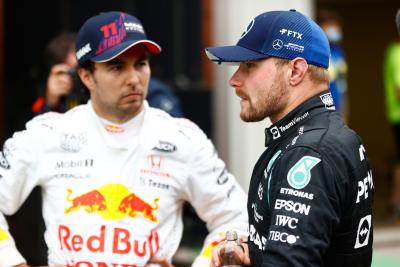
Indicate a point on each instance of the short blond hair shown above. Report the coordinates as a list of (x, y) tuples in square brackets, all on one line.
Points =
[(317, 74)]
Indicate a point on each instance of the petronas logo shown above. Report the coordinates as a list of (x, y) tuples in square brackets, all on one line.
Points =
[(300, 174)]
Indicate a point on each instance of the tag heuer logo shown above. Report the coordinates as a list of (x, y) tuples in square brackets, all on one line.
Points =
[(73, 142)]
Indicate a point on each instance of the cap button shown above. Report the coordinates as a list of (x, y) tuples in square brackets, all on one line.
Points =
[(293, 10)]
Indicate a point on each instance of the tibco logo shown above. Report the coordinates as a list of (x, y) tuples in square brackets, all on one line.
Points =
[(282, 237)]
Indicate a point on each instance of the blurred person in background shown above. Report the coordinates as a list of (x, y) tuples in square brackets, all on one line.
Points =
[(331, 23), (391, 77), (116, 172)]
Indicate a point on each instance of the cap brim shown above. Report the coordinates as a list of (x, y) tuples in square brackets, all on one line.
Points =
[(117, 50), (232, 54)]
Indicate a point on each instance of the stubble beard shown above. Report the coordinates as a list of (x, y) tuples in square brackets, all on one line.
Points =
[(268, 102)]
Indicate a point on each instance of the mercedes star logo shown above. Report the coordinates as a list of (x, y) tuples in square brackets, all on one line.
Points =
[(249, 27), (277, 44)]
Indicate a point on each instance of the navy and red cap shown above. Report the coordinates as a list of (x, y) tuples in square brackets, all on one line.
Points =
[(107, 35), (282, 34)]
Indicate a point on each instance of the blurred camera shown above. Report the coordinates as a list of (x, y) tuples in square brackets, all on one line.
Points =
[(72, 72)]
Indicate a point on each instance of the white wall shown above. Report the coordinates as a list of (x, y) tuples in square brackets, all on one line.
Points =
[(238, 143)]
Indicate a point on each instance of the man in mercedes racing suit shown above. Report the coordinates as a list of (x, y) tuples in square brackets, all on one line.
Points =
[(115, 172), (311, 191)]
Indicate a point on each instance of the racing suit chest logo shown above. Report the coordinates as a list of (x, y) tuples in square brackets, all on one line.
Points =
[(299, 175)]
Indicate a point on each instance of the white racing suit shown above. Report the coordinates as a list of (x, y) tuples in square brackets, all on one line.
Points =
[(106, 204)]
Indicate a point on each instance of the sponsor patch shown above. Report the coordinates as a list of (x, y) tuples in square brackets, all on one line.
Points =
[(282, 220), (164, 146), (3, 161), (257, 217), (292, 206), (73, 142), (299, 175), (364, 228), (282, 237), (327, 99)]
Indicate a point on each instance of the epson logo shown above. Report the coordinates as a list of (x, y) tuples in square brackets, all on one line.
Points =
[(282, 220), (165, 147), (296, 193), (295, 207), (74, 163)]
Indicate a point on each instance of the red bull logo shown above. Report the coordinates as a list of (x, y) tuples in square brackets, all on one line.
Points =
[(112, 128), (132, 205), (114, 202), (91, 201)]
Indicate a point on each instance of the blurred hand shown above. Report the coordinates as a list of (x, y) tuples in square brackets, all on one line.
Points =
[(243, 253), (160, 261), (59, 83)]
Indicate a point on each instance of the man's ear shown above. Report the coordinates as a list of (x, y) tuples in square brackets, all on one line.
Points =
[(299, 69), (86, 77)]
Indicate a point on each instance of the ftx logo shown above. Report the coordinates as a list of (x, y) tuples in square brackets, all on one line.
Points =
[(291, 33)]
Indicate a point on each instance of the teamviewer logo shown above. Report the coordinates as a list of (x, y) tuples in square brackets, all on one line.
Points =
[(275, 132)]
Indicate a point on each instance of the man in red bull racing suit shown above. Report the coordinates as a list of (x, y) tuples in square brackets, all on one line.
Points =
[(115, 172), (311, 191)]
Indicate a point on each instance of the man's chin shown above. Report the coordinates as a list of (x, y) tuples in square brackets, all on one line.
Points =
[(250, 117)]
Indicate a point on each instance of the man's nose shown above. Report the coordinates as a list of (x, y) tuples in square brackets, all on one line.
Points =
[(234, 81), (133, 76)]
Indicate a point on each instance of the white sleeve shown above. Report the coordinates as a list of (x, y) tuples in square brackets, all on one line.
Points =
[(16, 182), (9, 255), (216, 196)]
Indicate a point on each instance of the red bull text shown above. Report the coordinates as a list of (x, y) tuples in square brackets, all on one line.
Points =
[(123, 242)]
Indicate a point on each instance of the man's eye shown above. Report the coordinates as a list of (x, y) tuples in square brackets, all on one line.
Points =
[(249, 64), (142, 63), (116, 67)]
